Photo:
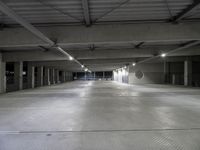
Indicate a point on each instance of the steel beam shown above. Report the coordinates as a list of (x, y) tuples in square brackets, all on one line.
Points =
[(187, 11), (86, 12)]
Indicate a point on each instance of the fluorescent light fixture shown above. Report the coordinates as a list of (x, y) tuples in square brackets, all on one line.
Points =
[(163, 55), (71, 58), (86, 69), (82, 66), (134, 64)]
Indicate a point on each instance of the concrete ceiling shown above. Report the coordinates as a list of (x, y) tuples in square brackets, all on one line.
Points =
[(103, 35)]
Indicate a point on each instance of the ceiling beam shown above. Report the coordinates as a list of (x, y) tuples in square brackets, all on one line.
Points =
[(102, 34), (187, 11), (5, 9), (87, 57), (171, 52), (86, 12), (139, 45)]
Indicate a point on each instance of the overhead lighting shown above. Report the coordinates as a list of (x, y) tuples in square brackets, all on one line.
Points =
[(163, 55), (134, 64), (71, 58), (125, 67), (82, 66), (86, 69)]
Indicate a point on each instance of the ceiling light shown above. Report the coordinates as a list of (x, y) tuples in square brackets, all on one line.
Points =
[(124, 67), (71, 58), (134, 64), (82, 66), (163, 55), (86, 69)]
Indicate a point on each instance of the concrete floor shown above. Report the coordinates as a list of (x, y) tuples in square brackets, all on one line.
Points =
[(101, 115)]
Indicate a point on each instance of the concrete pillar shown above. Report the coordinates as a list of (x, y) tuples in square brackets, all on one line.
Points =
[(187, 73), (173, 79), (166, 72), (18, 75), (65, 73), (67, 76), (46, 76), (63, 79), (40, 77), (52, 76), (2, 75), (56, 76), (31, 76)]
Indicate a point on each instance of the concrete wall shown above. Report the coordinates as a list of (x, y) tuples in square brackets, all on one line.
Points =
[(158, 73), (121, 75), (152, 73)]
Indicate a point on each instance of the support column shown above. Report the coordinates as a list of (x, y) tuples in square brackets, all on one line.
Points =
[(56, 76), (40, 77), (52, 76), (46, 76), (166, 72), (63, 77), (187, 73), (103, 75), (173, 79), (31, 76), (2, 75), (18, 75)]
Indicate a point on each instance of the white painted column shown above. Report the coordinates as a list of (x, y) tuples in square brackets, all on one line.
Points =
[(31, 76), (2, 75), (46, 76), (18, 75), (40, 77)]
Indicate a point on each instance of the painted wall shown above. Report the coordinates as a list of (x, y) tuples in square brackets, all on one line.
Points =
[(149, 73), (121, 75)]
